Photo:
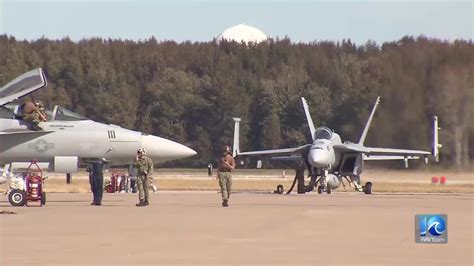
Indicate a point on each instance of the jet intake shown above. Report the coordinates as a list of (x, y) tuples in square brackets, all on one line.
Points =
[(65, 164)]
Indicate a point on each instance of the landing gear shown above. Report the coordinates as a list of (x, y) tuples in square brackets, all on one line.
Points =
[(279, 189), (320, 189), (328, 190), (43, 198), (17, 197), (368, 188)]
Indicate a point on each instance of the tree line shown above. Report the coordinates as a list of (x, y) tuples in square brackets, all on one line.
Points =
[(188, 92)]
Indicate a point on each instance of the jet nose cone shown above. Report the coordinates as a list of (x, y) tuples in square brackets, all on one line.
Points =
[(319, 158), (161, 149)]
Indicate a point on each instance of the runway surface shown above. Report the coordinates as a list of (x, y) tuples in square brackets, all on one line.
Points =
[(192, 228)]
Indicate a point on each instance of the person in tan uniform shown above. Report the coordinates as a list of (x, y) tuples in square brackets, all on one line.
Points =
[(34, 114), (225, 167)]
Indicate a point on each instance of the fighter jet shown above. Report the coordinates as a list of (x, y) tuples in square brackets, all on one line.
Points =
[(329, 160), (69, 139)]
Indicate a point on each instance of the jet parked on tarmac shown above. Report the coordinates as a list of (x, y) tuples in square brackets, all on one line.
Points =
[(329, 160), (68, 139)]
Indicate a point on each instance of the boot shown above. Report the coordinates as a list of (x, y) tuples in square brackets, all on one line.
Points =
[(141, 203), (224, 203), (146, 202)]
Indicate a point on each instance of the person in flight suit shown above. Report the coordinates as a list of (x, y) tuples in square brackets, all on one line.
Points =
[(33, 115), (144, 166), (225, 167)]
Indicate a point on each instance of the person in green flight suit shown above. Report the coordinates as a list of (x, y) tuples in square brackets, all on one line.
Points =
[(144, 166)]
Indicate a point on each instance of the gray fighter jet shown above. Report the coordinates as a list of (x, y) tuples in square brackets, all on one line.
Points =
[(68, 139), (329, 160)]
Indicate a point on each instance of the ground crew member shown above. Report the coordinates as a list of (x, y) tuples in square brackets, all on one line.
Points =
[(225, 167), (144, 167), (96, 178), (132, 176)]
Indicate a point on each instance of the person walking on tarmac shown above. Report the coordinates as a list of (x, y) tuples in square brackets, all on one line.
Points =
[(96, 178), (144, 167), (225, 167)]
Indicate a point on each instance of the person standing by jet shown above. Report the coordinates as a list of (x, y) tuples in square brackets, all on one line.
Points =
[(225, 167), (144, 167), (96, 178)]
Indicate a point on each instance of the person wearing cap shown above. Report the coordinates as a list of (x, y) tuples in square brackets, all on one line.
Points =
[(225, 167), (144, 166)]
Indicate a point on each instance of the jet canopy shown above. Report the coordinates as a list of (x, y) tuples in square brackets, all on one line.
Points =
[(323, 133), (62, 114), (22, 86)]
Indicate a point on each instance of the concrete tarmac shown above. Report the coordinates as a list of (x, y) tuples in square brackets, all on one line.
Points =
[(192, 228)]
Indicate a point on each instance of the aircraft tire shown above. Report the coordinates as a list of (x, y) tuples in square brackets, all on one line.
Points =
[(43, 198), (368, 188), (328, 190), (17, 197), (279, 189)]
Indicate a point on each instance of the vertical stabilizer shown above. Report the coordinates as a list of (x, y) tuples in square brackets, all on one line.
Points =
[(312, 129), (435, 145), (236, 145), (367, 126)]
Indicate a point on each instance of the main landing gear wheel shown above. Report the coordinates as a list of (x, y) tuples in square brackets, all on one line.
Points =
[(17, 197), (43, 198), (320, 189), (279, 189), (328, 190), (368, 188)]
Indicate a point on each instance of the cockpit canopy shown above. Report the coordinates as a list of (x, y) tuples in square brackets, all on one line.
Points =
[(57, 114), (62, 114), (323, 133)]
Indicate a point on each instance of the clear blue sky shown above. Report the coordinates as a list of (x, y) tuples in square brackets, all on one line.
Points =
[(182, 20)]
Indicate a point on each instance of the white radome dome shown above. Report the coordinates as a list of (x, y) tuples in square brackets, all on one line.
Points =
[(242, 33)]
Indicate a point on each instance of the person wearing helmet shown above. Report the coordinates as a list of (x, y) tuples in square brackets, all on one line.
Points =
[(226, 166), (32, 115), (144, 166)]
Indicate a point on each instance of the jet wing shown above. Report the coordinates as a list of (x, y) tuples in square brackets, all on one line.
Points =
[(388, 157), (25, 131), (287, 158), (353, 147), (22, 86), (276, 151)]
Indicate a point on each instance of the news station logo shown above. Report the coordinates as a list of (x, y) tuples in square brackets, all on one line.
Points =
[(431, 228)]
